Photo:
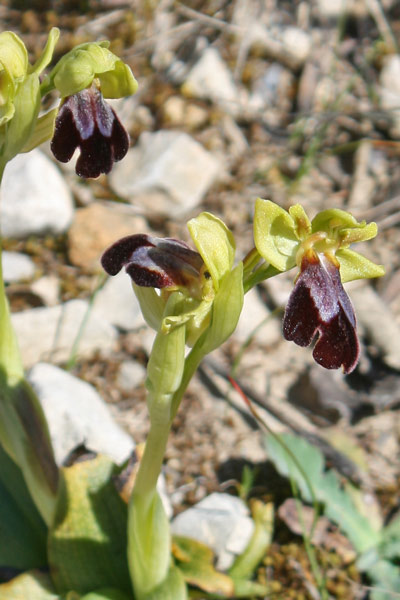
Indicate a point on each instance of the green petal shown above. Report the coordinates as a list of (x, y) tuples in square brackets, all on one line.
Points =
[(151, 305), (47, 54), (275, 234), (303, 224), (355, 266), (119, 82), (13, 55), (361, 234), (215, 243), (7, 93)]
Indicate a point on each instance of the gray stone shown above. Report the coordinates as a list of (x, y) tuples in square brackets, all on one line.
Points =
[(222, 522), (34, 197), (58, 332), (116, 303), (131, 374), (390, 90), (77, 415), (48, 289), (17, 266), (257, 321), (333, 9), (168, 161), (211, 79)]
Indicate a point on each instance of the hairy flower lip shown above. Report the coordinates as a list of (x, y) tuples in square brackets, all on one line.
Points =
[(154, 262), (86, 121), (319, 309)]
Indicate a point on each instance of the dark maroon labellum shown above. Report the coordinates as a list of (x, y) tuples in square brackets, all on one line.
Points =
[(86, 121), (154, 262), (319, 307)]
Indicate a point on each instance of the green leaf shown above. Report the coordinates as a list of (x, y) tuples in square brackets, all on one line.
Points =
[(87, 542), (149, 542), (275, 234), (25, 437), (246, 564), (107, 594), (22, 530), (151, 305), (326, 487), (355, 266), (195, 561), (172, 588), (250, 589), (215, 243), (386, 577), (32, 585)]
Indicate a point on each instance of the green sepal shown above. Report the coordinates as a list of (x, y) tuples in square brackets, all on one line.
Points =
[(47, 54), (275, 234), (215, 243), (355, 266), (32, 585), (13, 55), (151, 305), (76, 70), (44, 129), (7, 93), (20, 128), (226, 309)]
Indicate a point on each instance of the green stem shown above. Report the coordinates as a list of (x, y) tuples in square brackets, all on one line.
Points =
[(152, 459)]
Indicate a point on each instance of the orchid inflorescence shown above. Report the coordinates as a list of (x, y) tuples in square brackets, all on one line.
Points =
[(318, 309), (192, 297), (82, 78)]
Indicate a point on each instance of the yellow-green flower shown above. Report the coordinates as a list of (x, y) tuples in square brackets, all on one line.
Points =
[(318, 308)]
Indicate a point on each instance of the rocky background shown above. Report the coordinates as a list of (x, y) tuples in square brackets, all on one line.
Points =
[(295, 101)]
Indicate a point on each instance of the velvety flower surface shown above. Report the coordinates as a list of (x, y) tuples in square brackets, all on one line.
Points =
[(87, 122), (320, 309), (154, 262)]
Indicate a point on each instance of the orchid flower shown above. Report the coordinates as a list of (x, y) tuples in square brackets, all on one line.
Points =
[(318, 308)]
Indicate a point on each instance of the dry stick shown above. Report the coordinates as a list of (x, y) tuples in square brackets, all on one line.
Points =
[(375, 9), (341, 462)]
